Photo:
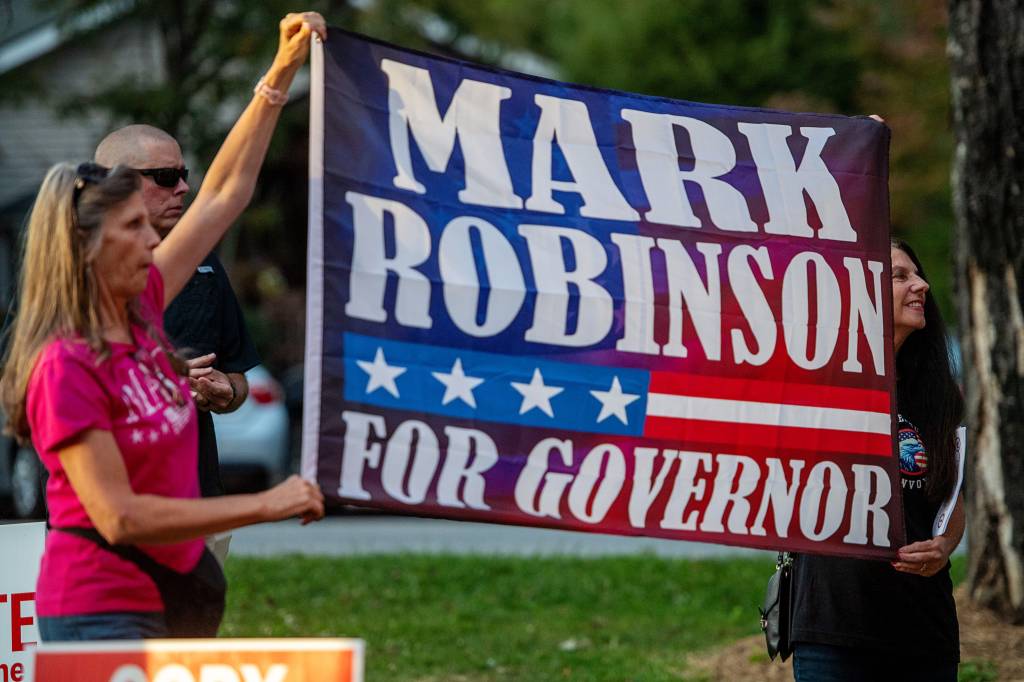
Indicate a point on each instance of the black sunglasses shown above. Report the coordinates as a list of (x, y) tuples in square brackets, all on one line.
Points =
[(86, 173), (165, 177)]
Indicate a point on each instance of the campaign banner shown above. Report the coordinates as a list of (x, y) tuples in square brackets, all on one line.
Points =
[(539, 303), (202, 660), (21, 549)]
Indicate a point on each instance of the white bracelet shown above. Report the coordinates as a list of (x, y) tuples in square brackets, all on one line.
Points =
[(272, 95)]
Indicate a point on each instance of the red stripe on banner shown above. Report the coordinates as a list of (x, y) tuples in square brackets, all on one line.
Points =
[(677, 383), (684, 432)]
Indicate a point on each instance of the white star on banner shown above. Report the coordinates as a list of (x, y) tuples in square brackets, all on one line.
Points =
[(136, 436), (614, 402), (458, 385), (382, 375), (536, 394)]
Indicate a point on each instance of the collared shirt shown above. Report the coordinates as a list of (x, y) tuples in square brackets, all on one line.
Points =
[(206, 318)]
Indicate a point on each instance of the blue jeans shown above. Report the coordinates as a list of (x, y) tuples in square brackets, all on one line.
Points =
[(826, 663), (93, 626)]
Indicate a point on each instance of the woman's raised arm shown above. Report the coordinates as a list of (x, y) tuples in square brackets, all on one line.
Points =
[(231, 178)]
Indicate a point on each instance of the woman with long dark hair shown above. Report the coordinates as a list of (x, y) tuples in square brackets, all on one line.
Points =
[(868, 620)]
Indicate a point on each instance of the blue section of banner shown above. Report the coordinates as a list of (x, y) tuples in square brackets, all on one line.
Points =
[(494, 387)]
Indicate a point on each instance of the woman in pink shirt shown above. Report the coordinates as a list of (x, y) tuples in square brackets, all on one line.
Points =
[(90, 379)]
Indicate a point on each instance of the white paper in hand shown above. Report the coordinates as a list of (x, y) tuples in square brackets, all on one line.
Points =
[(946, 510)]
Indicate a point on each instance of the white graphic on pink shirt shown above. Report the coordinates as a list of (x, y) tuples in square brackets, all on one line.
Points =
[(143, 398), (177, 417), (133, 416)]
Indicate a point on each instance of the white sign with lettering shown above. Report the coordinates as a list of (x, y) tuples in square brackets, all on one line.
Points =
[(21, 548)]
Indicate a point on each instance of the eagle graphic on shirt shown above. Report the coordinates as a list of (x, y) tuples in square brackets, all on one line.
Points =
[(913, 458)]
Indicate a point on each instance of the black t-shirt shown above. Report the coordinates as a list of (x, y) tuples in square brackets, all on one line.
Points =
[(871, 605), (206, 318)]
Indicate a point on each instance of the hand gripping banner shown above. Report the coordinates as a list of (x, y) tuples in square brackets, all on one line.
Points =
[(540, 303)]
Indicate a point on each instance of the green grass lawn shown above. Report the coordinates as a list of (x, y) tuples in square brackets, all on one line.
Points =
[(475, 619)]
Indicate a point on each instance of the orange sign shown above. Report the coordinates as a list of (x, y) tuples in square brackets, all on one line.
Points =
[(202, 660)]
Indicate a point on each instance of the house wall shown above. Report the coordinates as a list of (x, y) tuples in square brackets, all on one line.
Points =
[(33, 136)]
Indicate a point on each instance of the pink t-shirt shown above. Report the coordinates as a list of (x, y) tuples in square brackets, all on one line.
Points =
[(127, 394)]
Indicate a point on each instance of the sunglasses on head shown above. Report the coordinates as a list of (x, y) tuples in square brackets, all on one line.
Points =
[(165, 177), (85, 174)]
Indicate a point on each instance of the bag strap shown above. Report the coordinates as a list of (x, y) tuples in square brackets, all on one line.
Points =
[(148, 564)]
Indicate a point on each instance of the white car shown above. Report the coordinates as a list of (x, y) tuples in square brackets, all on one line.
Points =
[(253, 440)]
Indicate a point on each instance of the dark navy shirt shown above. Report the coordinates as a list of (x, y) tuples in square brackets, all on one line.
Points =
[(206, 318)]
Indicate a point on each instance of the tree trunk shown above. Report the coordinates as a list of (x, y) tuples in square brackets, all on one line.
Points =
[(986, 49)]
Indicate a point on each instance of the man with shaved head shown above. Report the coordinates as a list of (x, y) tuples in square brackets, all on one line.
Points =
[(145, 148), (205, 320)]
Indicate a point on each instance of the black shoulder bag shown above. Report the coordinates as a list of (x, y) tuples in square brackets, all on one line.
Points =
[(776, 613), (193, 601)]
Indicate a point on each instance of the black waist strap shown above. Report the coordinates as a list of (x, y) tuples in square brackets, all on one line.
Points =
[(148, 564)]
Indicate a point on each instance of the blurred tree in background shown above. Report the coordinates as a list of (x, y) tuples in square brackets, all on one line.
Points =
[(987, 54), (852, 57)]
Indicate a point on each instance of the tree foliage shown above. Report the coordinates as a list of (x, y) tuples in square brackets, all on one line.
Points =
[(212, 52), (723, 51)]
